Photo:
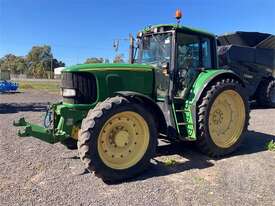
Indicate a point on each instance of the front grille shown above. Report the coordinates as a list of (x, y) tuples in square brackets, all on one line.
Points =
[(85, 85)]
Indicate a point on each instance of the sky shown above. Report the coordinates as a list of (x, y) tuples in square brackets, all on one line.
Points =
[(78, 29)]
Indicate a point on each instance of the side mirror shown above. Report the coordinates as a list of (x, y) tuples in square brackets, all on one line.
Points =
[(165, 69)]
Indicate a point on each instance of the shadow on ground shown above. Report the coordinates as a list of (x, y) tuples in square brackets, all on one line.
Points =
[(6, 108), (254, 142)]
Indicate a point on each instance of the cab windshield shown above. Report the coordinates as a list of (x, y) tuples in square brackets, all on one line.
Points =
[(156, 49)]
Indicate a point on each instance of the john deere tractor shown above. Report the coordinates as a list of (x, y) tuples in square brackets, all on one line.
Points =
[(174, 90)]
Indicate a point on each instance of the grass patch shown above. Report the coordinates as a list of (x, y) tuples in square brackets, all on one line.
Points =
[(271, 145), (170, 162), (52, 86)]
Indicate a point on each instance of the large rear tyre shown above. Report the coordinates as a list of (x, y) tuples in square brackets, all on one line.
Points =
[(266, 93), (223, 115), (117, 139)]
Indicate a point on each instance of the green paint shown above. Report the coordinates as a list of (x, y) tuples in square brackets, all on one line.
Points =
[(34, 130), (109, 67), (111, 78), (199, 84)]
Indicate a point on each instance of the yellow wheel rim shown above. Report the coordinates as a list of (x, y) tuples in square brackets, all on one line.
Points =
[(74, 133), (227, 118), (123, 140)]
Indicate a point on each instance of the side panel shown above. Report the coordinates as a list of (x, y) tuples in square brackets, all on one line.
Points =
[(137, 81)]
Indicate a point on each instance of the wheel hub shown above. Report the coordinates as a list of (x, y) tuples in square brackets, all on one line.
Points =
[(218, 117), (121, 139)]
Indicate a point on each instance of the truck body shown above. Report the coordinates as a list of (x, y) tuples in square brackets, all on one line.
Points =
[(251, 55)]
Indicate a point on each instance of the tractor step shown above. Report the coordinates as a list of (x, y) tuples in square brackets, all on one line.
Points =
[(183, 123), (181, 116), (182, 110)]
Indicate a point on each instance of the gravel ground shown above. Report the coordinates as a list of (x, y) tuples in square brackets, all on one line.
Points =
[(36, 173)]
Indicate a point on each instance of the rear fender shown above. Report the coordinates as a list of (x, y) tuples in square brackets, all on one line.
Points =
[(203, 81)]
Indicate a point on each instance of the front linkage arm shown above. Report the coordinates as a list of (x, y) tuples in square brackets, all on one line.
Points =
[(50, 135)]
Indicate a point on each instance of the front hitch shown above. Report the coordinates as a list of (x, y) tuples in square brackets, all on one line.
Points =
[(34, 130), (59, 123)]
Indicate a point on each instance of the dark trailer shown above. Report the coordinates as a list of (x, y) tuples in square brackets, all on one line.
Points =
[(252, 56)]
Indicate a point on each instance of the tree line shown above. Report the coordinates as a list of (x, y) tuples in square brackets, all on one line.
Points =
[(94, 60), (40, 62)]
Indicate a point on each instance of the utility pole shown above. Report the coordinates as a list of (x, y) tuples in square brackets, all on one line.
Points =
[(131, 49), (52, 68)]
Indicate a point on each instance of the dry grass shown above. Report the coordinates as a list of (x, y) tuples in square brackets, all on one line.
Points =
[(51, 86)]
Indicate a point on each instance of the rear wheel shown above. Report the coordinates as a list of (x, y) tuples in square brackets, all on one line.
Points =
[(222, 118), (117, 139), (266, 93)]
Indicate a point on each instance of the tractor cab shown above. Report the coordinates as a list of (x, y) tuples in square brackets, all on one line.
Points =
[(178, 53)]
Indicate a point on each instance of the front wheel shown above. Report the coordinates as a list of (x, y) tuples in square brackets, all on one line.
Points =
[(117, 139), (223, 115)]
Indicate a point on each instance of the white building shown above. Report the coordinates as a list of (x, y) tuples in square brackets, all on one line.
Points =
[(57, 72)]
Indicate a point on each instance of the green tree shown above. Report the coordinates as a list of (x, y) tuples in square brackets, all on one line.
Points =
[(16, 64), (94, 60), (40, 58), (39, 62), (119, 58)]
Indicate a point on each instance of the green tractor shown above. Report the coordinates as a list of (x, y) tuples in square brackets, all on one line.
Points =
[(174, 90)]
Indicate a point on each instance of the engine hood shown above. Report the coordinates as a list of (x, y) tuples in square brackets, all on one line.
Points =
[(111, 78), (109, 67)]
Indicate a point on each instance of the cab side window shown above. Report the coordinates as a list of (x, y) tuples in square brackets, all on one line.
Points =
[(206, 53), (188, 51)]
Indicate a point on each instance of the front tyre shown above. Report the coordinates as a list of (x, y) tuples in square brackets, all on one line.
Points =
[(117, 139), (223, 115)]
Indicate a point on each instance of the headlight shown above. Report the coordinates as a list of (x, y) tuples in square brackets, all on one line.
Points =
[(68, 92)]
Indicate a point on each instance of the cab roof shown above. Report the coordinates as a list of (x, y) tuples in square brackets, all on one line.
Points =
[(168, 27)]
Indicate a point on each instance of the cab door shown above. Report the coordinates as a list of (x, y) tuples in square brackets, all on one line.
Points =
[(193, 54)]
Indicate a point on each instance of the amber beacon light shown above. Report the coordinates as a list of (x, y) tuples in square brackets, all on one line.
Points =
[(178, 15)]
